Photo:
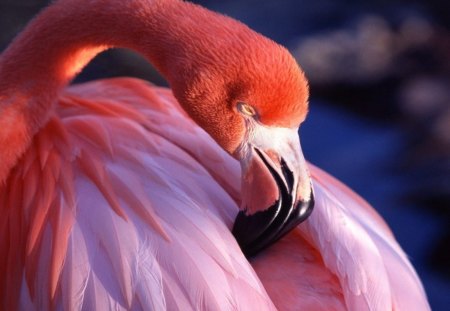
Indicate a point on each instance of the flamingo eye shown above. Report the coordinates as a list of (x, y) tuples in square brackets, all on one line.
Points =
[(246, 109)]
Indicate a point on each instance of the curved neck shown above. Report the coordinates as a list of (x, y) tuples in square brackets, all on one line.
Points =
[(49, 53), (65, 37)]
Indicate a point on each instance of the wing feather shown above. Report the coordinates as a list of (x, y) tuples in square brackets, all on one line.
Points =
[(357, 246)]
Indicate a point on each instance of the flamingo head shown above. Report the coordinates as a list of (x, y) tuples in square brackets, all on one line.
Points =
[(251, 96)]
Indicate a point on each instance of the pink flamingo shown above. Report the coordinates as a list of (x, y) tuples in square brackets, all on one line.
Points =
[(113, 196)]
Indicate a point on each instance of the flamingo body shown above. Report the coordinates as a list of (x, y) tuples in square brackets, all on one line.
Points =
[(102, 226), (112, 197), (106, 221)]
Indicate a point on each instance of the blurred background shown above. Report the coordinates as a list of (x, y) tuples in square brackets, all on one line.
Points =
[(380, 104)]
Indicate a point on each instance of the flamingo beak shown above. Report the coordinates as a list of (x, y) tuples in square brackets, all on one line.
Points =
[(276, 192)]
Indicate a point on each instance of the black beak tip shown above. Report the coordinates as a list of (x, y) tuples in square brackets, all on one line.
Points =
[(256, 232), (304, 209)]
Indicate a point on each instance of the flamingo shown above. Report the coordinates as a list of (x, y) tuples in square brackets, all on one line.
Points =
[(117, 194)]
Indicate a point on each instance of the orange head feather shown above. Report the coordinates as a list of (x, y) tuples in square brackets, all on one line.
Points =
[(228, 63)]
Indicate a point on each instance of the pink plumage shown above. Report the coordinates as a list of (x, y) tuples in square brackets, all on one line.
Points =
[(115, 199)]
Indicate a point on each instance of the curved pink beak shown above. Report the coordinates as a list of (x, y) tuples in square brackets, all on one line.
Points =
[(276, 195)]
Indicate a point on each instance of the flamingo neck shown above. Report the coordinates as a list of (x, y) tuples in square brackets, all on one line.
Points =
[(65, 37), (56, 46)]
